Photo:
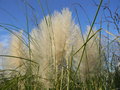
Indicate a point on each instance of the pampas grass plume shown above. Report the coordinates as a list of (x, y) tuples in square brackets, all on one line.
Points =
[(52, 44)]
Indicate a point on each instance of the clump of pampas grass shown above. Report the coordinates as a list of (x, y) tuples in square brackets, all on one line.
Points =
[(52, 45), (54, 42), (17, 50)]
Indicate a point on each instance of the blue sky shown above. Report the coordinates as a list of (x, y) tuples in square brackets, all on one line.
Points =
[(14, 12)]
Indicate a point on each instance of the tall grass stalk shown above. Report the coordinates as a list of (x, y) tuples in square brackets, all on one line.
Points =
[(88, 35)]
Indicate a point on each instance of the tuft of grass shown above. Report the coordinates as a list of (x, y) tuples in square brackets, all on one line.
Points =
[(56, 55)]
